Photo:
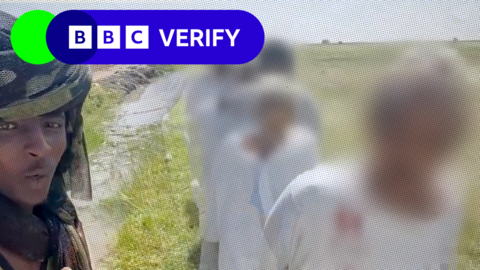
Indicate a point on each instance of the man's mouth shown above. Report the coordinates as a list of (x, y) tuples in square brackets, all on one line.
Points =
[(36, 177), (37, 181)]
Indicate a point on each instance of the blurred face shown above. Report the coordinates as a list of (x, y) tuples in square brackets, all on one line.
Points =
[(30, 152), (416, 140), (276, 120)]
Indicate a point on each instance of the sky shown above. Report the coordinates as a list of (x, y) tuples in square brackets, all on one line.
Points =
[(313, 21)]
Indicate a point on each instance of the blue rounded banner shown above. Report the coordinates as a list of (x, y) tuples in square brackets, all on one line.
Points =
[(79, 25), (175, 37)]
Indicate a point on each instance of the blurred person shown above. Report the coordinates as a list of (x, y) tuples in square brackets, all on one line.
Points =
[(43, 151), (277, 60), (214, 105), (229, 112), (201, 97), (251, 169), (201, 87), (401, 206), (235, 102), (200, 104), (276, 57)]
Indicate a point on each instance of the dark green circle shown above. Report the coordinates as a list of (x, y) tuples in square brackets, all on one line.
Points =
[(29, 37)]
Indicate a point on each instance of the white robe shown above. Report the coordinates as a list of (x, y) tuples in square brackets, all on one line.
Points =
[(303, 232), (232, 220), (215, 106), (201, 107), (221, 108)]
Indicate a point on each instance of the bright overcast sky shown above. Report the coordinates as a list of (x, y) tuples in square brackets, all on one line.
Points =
[(313, 21)]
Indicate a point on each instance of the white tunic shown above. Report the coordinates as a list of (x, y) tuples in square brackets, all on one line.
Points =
[(265, 192), (304, 228), (232, 220), (207, 125)]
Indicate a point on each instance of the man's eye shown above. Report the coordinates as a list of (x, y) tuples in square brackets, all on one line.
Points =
[(7, 126), (53, 125)]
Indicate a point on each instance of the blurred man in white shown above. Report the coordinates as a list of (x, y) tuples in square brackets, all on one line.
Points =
[(251, 169), (277, 62), (400, 206), (216, 104), (201, 98)]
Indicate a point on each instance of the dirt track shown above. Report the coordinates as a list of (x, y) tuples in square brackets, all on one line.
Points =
[(100, 72)]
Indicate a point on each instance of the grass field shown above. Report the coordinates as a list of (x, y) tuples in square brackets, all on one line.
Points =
[(101, 102), (161, 228), (97, 110)]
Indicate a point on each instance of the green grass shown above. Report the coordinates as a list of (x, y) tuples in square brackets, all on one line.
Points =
[(97, 110), (161, 228), (171, 68)]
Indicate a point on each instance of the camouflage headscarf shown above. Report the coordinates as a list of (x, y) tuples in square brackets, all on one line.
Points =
[(26, 91)]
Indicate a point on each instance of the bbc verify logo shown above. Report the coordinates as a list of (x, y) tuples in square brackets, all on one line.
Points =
[(108, 37), (159, 37), (80, 37)]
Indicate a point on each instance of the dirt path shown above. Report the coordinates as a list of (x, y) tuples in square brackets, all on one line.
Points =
[(100, 72), (111, 167)]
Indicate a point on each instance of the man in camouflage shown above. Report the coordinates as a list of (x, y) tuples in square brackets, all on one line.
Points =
[(43, 152)]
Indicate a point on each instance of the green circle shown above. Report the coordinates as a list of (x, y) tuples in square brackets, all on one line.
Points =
[(29, 37)]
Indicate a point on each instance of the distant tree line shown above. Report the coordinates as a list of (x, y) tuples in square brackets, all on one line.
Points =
[(326, 42)]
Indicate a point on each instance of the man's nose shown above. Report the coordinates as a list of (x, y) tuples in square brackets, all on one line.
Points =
[(36, 142)]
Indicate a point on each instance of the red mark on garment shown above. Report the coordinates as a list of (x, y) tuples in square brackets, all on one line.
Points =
[(348, 222)]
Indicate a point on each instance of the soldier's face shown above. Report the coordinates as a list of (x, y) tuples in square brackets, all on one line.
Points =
[(30, 152)]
